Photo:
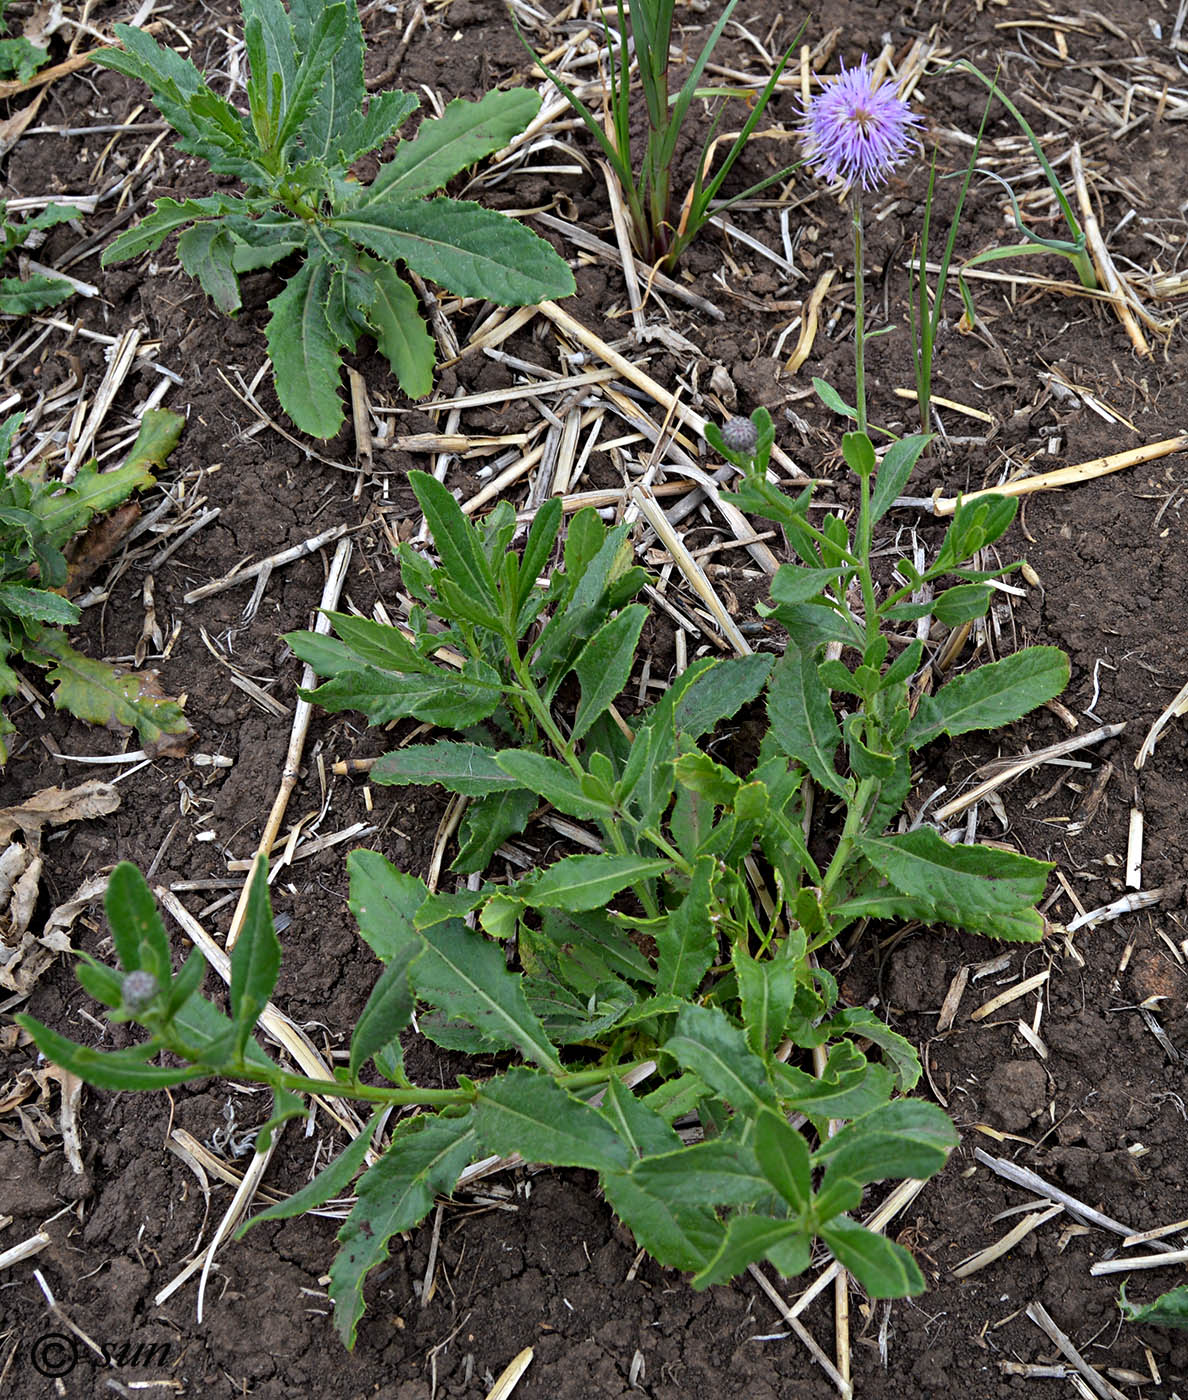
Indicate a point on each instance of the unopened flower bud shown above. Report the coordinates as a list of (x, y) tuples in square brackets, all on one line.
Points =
[(139, 991), (740, 435)]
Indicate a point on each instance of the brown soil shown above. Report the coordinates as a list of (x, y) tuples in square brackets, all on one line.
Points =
[(538, 1260)]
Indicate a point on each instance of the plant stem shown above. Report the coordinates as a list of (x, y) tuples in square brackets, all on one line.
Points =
[(859, 316), (855, 813)]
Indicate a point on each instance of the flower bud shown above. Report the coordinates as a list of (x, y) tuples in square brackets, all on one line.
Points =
[(740, 435), (139, 991)]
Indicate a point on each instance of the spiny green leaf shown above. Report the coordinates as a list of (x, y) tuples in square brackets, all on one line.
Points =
[(400, 332), (388, 1010), (802, 720), (524, 1112), (752, 1237), (423, 1161), (705, 1042), (136, 928), (687, 939), (715, 1172), (680, 1237), (462, 135), (304, 351), (455, 538), (468, 250), (467, 977), (168, 215), (21, 296), (605, 664), (469, 769), (587, 882), (554, 782), (990, 696), (384, 901), (206, 251), (898, 463)]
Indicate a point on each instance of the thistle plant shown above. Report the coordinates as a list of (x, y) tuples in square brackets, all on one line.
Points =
[(293, 151), (659, 232)]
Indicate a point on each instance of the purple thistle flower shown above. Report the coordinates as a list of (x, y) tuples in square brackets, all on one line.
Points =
[(855, 131)]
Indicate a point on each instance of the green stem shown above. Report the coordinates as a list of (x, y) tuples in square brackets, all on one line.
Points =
[(855, 815), (859, 316)]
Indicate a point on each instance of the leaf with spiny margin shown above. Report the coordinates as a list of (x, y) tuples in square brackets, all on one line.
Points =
[(330, 1182), (578, 883), (899, 1054), (169, 215), (974, 887), (706, 1042), (463, 247), (466, 976), (423, 1161), (94, 691), (276, 31), (749, 1238), (20, 296), (463, 134), (384, 901), (318, 48), (784, 1157), (367, 131), (470, 769), (687, 940), (605, 664), (255, 960), (640, 1127), (719, 692), (305, 351), (37, 605), (447, 701), (802, 719), (206, 252), (677, 1237), (400, 332), (767, 989), (1168, 1310), (990, 696), (488, 823), (554, 782), (883, 1268), (715, 1172), (524, 1112)]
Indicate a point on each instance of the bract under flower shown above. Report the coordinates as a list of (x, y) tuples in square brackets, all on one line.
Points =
[(856, 131)]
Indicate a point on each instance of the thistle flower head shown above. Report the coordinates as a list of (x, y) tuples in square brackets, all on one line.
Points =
[(740, 435), (856, 131), (139, 991)]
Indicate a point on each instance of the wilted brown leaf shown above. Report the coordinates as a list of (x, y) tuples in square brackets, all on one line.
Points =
[(53, 806)]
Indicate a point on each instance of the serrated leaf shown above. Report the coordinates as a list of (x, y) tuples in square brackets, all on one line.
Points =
[(466, 976), (975, 887), (318, 48), (21, 296), (304, 351), (455, 539), (883, 1268), (255, 959), (604, 665), (991, 696), (206, 252), (448, 701), (975, 524), (677, 1237), (525, 1112), (487, 824), (554, 782), (97, 693), (802, 719), (719, 691), (331, 1181), (767, 990), (400, 333), (643, 1130), (423, 1161), (470, 769), (335, 128), (687, 940), (749, 1238), (37, 605), (898, 1053), (578, 883), (468, 250), (358, 131), (168, 215), (705, 1042), (462, 135), (716, 1172), (907, 1138)]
